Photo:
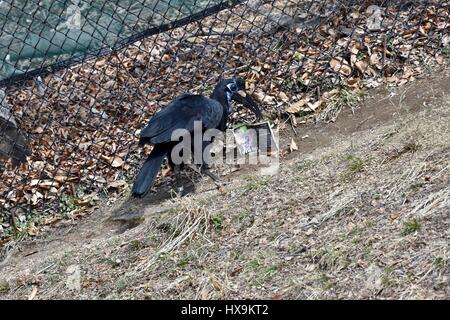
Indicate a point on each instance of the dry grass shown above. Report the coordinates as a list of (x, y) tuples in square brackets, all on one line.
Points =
[(305, 233)]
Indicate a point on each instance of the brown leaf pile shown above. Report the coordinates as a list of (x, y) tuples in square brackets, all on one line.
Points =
[(84, 127)]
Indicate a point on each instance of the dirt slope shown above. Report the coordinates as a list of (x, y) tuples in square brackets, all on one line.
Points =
[(361, 210)]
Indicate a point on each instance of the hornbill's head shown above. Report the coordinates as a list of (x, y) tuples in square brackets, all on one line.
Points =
[(228, 90)]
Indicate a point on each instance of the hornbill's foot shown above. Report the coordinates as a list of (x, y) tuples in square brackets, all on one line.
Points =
[(204, 170), (213, 177), (219, 183), (178, 180)]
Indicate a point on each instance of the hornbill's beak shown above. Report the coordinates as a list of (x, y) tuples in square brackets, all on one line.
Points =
[(249, 103)]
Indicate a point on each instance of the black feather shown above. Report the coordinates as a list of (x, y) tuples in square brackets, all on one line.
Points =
[(149, 171)]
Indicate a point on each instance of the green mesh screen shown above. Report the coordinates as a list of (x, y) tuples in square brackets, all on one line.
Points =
[(38, 34)]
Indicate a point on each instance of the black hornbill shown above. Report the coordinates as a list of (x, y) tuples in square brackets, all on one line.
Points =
[(181, 113)]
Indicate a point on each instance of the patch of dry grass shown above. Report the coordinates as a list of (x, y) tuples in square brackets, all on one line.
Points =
[(304, 233)]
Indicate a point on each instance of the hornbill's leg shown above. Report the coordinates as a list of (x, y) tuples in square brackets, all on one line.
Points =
[(219, 184), (176, 170), (170, 163), (172, 166), (166, 171), (215, 178), (204, 169)]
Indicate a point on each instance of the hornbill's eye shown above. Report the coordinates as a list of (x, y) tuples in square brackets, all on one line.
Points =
[(232, 87)]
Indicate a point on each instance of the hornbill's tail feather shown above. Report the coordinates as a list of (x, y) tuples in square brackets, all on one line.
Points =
[(147, 175)]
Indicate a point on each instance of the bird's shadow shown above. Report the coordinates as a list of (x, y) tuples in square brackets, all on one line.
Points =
[(131, 212)]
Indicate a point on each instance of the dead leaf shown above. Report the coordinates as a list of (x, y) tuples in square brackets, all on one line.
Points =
[(361, 66), (264, 98), (236, 271), (117, 162), (52, 220), (283, 96), (33, 293), (32, 230), (445, 41), (374, 20), (293, 146), (374, 58), (353, 83), (296, 107), (341, 66), (314, 106), (117, 184)]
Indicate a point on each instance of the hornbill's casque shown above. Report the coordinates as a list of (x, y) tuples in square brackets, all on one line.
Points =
[(181, 113)]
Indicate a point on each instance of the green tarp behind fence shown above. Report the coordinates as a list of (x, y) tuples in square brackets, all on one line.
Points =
[(37, 35)]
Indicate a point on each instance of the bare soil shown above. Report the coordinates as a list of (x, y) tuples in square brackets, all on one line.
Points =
[(361, 210)]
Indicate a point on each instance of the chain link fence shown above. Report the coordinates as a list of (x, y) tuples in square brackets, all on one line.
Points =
[(80, 78)]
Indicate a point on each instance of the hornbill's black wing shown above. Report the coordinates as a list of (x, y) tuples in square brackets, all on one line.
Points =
[(181, 114)]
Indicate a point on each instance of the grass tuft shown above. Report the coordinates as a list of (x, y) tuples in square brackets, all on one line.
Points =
[(354, 166), (411, 226)]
